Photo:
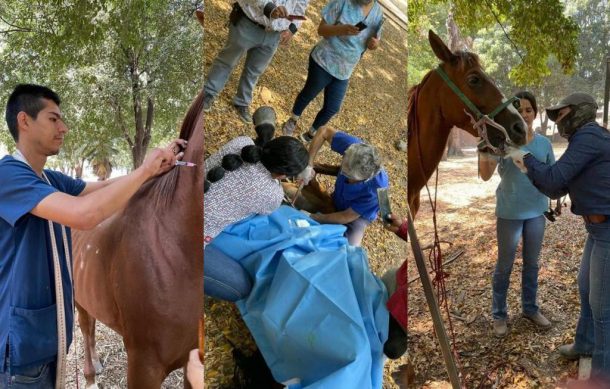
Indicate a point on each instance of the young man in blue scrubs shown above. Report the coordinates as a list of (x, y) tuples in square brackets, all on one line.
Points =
[(31, 198), (355, 195)]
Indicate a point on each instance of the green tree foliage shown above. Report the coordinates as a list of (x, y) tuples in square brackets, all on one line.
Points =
[(126, 70), (539, 29)]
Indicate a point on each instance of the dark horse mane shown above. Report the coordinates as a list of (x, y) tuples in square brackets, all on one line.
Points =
[(160, 190), (462, 59)]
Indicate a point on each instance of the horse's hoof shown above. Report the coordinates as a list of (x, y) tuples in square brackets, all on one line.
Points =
[(92, 386)]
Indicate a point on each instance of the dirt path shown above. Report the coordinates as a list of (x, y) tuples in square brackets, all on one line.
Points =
[(526, 358)]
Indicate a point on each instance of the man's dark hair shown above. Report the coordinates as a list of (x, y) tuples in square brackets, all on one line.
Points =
[(29, 99)]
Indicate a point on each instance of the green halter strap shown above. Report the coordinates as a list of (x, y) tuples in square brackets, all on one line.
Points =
[(469, 103)]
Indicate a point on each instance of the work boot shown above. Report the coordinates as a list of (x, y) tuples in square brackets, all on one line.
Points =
[(264, 115), (500, 328), (538, 319), (568, 352), (289, 126), (208, 102), (244, 113)]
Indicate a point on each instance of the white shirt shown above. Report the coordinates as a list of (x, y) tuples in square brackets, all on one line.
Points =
[(254, 10), (248, 190)]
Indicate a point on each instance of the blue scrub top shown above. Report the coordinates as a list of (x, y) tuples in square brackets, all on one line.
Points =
[(28, 314), (359, 196), (516, 197)]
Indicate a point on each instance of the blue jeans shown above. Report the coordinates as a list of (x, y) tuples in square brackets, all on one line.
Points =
[(258, 45), (223, 277), (593, 328), (33, 377), (509, 233), (334, 92), (355, 231)]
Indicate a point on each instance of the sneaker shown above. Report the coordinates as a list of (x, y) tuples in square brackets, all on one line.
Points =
[(567, 351), (306, 137), (538, 319), (289, 127), (208, 102), (500, 328), (244, 113)]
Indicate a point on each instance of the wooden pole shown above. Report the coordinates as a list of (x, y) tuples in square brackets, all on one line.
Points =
[(435, 311)]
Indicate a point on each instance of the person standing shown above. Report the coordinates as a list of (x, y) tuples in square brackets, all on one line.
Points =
[(520, 211), (348, 28), (583, 172), (37, 208), (256, 29)]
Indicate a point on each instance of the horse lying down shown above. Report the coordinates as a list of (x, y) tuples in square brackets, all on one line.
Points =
[(316, 311)]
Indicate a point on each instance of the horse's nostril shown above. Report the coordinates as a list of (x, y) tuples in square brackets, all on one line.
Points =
[(518, 128)]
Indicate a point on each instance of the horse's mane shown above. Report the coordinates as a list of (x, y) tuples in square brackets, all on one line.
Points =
[(463, 59), (161, 189)]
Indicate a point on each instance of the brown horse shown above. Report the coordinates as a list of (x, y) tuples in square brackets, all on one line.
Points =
[(141, 271), (434, 108)]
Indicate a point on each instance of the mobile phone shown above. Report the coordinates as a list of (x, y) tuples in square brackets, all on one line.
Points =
[(384, 204), (360, 26), (296, 17)]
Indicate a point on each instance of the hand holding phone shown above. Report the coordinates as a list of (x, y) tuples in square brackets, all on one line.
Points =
[(360, 26)]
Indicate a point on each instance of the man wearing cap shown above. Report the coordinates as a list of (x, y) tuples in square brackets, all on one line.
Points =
[(583, 172), (355, 195), (256, 28)]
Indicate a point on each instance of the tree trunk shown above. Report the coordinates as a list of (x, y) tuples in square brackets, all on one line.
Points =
[(142, 136), (454, 143)]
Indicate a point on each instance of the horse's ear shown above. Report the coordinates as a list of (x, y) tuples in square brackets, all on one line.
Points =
[(440, 49), (199, 14)]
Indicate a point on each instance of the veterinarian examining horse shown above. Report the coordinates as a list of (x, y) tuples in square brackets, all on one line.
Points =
[(37, 209), (355, 195), (583, 172), (242, 179)]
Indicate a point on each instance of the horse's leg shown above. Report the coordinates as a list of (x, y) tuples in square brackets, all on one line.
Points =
[(144, 370), (92, 361)]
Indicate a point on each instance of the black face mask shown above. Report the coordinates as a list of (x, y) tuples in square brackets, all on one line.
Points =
[(579, 116), (362, 3)]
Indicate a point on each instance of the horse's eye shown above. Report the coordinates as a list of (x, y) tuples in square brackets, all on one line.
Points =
[(517, 104), (474, 80)]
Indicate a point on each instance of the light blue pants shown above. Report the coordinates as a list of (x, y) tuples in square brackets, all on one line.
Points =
[(593, 328), (248, 39), (509, 233)]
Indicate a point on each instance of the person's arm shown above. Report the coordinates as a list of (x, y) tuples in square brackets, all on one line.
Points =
[(397, 225), (342, 217), (85, 212), (552, 180), (327, 30), (324, 134), (174, 147)]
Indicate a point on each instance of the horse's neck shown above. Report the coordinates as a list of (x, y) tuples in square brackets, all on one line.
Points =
[(431, 139)]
